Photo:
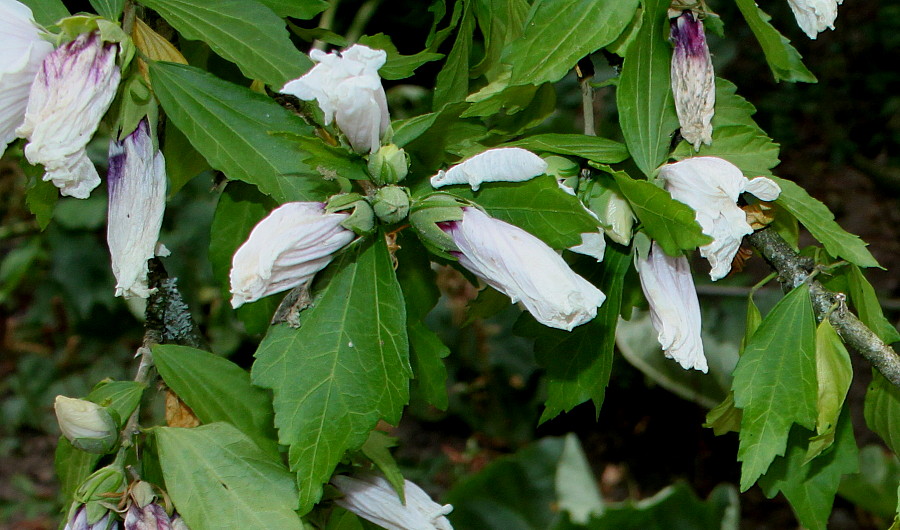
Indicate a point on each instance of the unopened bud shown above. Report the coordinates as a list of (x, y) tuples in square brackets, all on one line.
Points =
[(388, 165), (426, 214), (391, 204), (101, 491), (87, 425), (614, 213), (362, 218)]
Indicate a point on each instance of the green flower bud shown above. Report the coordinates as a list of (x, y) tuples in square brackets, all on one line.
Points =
[(87, 425), (100, 492), (614, 213), (388, 165), (362, 220), (391, 204), (424, 216)]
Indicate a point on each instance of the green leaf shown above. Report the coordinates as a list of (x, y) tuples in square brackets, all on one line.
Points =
[(217, 477), (302, 9), (820, 222), (537, 205), (732, 109), (183, 162), (669, 222), (578, 363), (874, 488), (110, 9), (558, 33), (47, 12), (231, 125), (593, 148), (775, 383), (746, 147), (452, 83), (72, 466), (397, 66), (882, 410), (240, 208), (330, 161), (810, 488), (120, 396), (41, 196), (344, 369), (867, 306), (501, 22), (644, 95), (218, 390), (784, 60), (377, 449), (499, 97), (833, 376), (245, 32), (724, 417)]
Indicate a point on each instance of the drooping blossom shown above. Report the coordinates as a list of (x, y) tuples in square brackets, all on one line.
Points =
[(79, 521), (693, 79), (286, 249), (503, 164), (814, 16), (150, 517), (23, 51), (711, 187), (372, 498), (137, 200), (348, 89), (72, 91), (89, 426), (523, 268), (674, 309), (592, 244)]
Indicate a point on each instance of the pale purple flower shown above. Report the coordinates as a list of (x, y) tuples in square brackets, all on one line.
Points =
[(503, 164), (373, 498), (348, 89), (137, 200), (80, 522), (814, 16), (286, 249), (150, 517), (693, 79), (23, 51), (674, 309), (711, 187), (72, 91), (523, 268)]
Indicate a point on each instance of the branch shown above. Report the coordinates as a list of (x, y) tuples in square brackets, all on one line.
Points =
[(794, 270)]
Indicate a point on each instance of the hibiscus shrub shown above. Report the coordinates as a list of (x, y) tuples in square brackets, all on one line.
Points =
[(333, 217)]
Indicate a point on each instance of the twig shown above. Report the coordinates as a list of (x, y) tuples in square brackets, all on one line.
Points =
[(794, 270), (325, 22), (128, 16), (585, 71), (363, 14)]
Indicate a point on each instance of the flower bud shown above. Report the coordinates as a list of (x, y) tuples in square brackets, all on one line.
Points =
[(79, 521), (388, 165), (693, 79), (391, 204), (372, 498), (87, 425), (614, 213), (100, 492), (427, 214), (150, 517), (361, 220)]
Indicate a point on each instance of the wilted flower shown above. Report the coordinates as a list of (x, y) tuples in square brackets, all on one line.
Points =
[(71, 93), (372, 498), (137, 200), (711, 187), (80, 522), (150, 517), (286, 249), (813, 16), (23, 51), (503, 164), (693, 79), (349, 91), (87, 425), (523, 268), (674, 308)]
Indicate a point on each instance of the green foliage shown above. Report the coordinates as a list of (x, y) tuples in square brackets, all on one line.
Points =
[(73, 466), (302, 9), (218, 390), (245, 32), (183, 162), (217, 477), (230, 126), (867, 307), (344, 369), (501, 22), (775, 383), (783, 59), (120, 396), (41, 196), (47, 12), (453, 80), (644, 95), (833, 376), (593, 148), (882, 410), (111, 9), (746, 147), (874, 488), (397, 66)]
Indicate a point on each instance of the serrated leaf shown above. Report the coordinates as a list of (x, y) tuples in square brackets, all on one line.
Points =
[(810, 488), (452, 83), (245, 32), (833, 376), (120, 396), (538, 206), (644, 95), (109, 9), (330, 161), (41, 196), (546, 52), (302, 9), (578, 363), (47, 12), (882, 410), (500, 22), (669, 222), (397, 66), (867, 306), (593, 148), (216, 389), (732, 109), (216, 476), (775, 383), (746, 147), (344, 369), (784, 60), (377, 449), (231, 125), (819, 220)]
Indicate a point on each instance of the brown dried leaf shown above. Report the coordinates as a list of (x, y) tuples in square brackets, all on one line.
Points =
[(178, 414), (759, 215), (154, 46)]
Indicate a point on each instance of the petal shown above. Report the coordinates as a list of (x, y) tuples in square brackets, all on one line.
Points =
[(372, 498), (592, 244), (764, 188), (503, 164)]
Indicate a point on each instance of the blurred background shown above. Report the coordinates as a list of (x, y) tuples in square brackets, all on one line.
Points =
[(62, 331)]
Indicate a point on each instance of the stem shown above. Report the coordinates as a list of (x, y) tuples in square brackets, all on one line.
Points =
[(326, 22), (362, 17), (585, 71), (794, 270), (128, 16)]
